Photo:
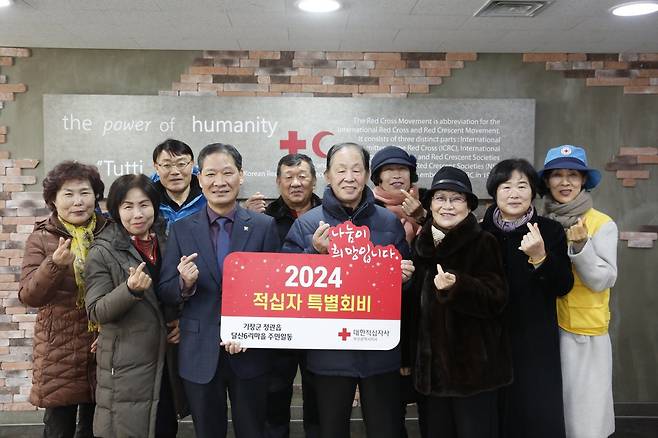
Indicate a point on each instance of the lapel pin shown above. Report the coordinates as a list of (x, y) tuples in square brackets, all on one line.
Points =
[(246, 228)]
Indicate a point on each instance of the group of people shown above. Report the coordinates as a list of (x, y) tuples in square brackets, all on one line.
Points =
[(504, 322)]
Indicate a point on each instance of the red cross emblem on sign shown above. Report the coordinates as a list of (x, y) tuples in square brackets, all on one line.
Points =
[(292, 143), (344, 334)]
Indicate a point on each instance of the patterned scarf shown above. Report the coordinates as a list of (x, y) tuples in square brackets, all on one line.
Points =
[(393, 202), (147, 248), (508, 226), (82, 237), (568, 213)]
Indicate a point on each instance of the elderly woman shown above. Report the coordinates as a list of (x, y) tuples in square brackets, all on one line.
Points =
[(393, 173), (136, 387), (463, 346), (538, 269), (53, 279), (583, 314), (337, 373)]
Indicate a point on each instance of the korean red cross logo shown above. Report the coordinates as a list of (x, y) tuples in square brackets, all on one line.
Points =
[(293, 144), (344, 334)]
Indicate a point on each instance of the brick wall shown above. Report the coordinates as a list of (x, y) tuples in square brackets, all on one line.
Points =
[(630, 165), (17, 216), (316, 74), (636, 72), (19, 210), (8, 90)]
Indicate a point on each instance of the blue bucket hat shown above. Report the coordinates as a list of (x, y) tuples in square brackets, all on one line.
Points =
[(571, 157)]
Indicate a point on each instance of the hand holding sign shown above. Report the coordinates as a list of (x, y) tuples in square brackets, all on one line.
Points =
[(443, 280), (188, 270), (407, 270), (232, 347), (138, 281)]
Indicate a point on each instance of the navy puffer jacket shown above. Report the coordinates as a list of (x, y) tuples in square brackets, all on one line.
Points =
[(385, 229)]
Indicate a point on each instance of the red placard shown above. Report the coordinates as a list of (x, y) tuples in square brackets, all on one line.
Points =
[(307, 299)]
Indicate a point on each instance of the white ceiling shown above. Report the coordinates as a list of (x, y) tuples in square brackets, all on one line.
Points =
[(361, 25)]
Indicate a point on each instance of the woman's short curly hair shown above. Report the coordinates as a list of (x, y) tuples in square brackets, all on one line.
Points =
[(67, 171)]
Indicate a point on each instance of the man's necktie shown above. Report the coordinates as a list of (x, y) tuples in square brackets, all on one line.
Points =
[(222, 243)]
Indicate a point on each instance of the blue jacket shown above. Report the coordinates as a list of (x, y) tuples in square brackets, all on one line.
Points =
[(199, 350), (385, 229), (169, 214)]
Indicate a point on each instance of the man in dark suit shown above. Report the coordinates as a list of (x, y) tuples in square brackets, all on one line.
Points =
[(192, 275)]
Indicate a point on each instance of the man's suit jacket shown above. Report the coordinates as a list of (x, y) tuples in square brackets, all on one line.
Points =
[(199, 350)]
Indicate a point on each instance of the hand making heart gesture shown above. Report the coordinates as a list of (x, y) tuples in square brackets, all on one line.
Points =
[(443, 280), (138, 281), (63, 256), (188, 270), (532, 243)]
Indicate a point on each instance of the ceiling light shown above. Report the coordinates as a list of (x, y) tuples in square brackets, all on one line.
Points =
[(634, 8), (4, 3), (318, 5)]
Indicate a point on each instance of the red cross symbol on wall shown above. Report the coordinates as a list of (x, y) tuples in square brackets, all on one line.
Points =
[(344, 334), (292, 143)]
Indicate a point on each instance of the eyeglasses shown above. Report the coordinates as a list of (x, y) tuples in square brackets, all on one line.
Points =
[(456, 201), (167, 167)]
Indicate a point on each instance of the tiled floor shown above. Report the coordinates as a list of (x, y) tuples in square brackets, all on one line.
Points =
[(634, 420), (28, 425)]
